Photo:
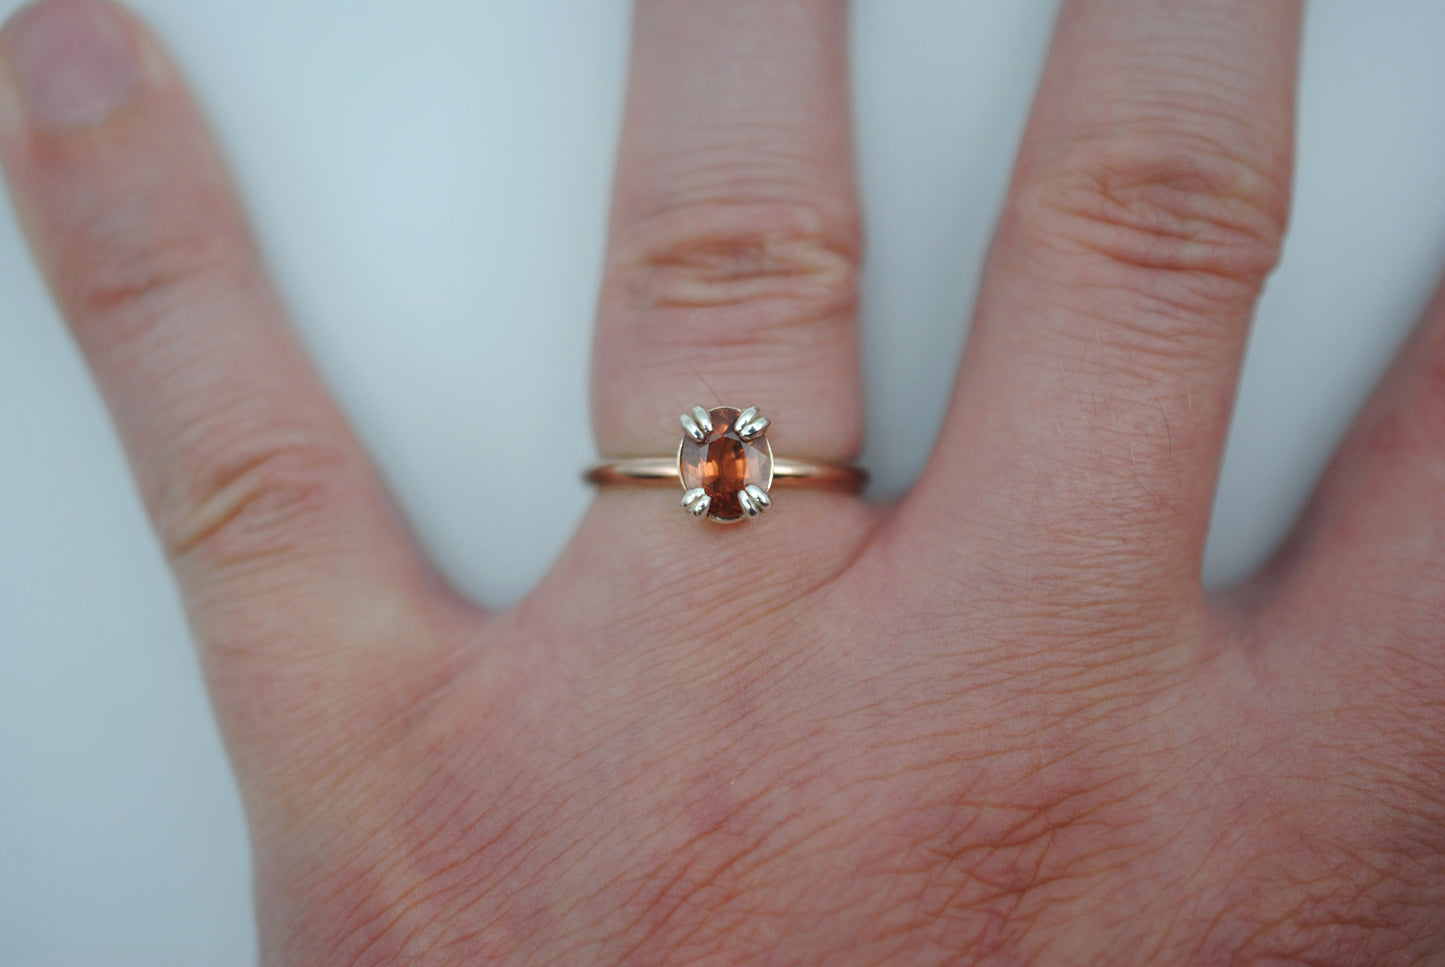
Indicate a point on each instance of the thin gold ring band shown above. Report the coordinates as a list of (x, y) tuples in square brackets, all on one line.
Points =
[(643, 471)]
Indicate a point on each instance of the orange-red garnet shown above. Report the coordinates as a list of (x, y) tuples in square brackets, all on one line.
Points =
[(724, 463)]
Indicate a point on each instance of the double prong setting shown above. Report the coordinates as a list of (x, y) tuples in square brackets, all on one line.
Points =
[(725, 463), (696, 501), (754, 500), (750, 424), (697, 424)]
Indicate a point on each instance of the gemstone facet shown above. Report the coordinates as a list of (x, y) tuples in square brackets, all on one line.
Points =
[(723, 464)]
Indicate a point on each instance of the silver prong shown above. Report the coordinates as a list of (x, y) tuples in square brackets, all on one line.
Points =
[(689, 426), (696, 501), (749, 506), (754, 428), (744, 418), (702, 418), (759, 496)]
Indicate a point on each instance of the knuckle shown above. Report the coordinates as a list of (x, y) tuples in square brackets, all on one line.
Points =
[(1343, 905), (256, 499), (1335, 858), (762, 268), (1136, 206)]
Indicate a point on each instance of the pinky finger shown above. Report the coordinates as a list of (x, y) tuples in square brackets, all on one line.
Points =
[(1365, 567)]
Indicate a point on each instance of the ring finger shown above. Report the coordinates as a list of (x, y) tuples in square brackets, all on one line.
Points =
[(731, 270)]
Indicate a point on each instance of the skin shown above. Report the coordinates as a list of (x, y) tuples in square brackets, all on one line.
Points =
[(998, 723)]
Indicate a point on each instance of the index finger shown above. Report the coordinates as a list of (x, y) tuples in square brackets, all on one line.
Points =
[(287, 550)]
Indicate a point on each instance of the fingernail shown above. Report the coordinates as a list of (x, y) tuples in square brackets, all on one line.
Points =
[(73, 62)]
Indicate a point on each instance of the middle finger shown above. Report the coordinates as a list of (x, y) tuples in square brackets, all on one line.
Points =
[(1148, 205)]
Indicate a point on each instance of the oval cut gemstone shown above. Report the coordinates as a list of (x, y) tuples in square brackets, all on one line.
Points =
[(725, 463)]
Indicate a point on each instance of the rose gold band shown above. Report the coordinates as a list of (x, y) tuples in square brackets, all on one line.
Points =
[(663, 470)]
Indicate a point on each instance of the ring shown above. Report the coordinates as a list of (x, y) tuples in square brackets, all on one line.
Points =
[(726, 466)]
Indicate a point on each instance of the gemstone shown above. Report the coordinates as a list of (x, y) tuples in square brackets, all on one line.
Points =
[(724, 463)]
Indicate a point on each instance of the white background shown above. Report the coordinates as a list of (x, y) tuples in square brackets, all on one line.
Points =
[(430, 182)]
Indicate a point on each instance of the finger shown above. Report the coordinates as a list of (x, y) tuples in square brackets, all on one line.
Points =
[(282, 539), (1366, 563), (1353, 605), (733, 247), (1147, 207)]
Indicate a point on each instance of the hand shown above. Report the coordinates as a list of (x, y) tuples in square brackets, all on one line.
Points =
[(998, 723)]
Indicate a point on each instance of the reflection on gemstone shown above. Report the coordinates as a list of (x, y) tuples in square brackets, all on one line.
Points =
[(724, 463)]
